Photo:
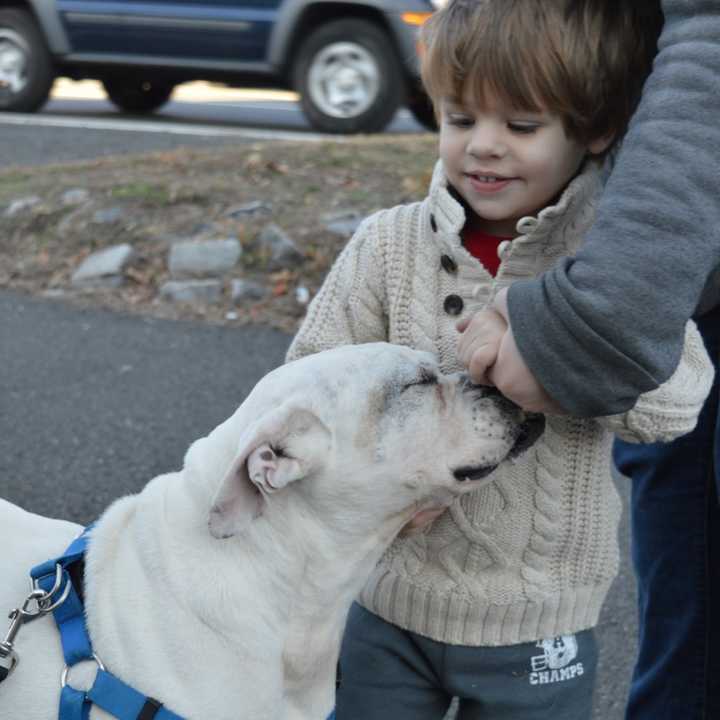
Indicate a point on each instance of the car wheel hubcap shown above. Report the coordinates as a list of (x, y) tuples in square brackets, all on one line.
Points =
[(14, 54), (343, 80)]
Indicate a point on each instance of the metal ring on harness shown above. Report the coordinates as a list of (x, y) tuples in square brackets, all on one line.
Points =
[(66, 669), (46, 597)]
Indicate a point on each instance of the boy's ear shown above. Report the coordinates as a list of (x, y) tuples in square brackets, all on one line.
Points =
[(600, 145)]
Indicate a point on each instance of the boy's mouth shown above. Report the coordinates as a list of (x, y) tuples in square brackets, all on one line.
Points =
[(487, 177), (482, 182)]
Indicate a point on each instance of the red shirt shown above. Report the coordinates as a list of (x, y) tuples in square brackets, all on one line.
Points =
[(484, 247)]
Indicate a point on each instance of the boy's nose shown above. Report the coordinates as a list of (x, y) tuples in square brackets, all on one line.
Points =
[(486, 141)]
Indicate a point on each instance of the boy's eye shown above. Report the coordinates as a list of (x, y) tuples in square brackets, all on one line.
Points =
[(524, 128), (459, 120)]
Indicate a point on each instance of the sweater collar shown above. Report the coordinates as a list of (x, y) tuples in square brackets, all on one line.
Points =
[(449, 213)]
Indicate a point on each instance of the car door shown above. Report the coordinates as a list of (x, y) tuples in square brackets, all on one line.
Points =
[(235, 31)]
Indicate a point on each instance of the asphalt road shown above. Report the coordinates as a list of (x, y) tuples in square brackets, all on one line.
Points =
[(94, 404), (76, 128)]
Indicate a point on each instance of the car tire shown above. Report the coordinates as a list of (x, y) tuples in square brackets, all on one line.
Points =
[(26, 69), (349, 78), (421, 107), (137, 96)]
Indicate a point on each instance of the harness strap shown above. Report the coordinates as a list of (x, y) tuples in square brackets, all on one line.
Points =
[(70, 616), (117, 698), (107, 692), (73, 704)]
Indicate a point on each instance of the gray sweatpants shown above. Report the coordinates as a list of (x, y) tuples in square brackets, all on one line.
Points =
[(388, 673)]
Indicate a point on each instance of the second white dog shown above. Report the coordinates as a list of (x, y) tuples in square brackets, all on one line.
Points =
[(223, 589)]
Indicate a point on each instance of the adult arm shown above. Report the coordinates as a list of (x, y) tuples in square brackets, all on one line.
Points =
[(609, 324)]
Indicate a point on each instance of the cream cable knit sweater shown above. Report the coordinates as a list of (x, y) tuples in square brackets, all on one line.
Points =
[(532, 553)]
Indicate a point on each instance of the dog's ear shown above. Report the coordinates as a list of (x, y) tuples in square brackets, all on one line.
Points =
[(262, 461)]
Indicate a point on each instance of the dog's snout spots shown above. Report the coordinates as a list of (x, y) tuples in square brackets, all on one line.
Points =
[(266, 455)]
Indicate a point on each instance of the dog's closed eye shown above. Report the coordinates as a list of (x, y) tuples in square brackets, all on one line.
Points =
[(426, 377)]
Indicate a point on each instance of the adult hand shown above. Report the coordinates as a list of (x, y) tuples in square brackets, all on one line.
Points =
[(511, 375)]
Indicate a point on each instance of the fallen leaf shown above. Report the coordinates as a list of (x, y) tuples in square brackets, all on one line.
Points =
[(280, 288)]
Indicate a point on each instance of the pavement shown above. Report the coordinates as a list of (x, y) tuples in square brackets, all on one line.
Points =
[(94, 404)]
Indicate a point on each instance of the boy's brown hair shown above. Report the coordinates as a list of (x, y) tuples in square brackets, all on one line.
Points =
[(584, 60)]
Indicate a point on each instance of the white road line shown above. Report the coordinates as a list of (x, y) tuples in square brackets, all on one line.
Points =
[(159, 127)]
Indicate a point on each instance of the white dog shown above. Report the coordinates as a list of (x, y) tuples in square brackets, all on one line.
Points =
[(222, 590)]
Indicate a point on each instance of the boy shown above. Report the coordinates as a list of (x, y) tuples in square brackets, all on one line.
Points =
[(495, 601)]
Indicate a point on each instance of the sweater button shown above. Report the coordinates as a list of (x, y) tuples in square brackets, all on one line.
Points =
[(503, 248), (527, 224), (433, 224), (453, 305), (449, 265)]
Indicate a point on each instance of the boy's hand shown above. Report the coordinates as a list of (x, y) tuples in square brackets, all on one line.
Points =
[(498, 361), (480, 344)]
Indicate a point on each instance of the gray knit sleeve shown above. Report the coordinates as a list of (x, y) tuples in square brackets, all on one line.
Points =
[(607, 325)]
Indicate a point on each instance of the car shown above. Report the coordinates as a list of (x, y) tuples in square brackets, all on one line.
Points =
[(353, 62)]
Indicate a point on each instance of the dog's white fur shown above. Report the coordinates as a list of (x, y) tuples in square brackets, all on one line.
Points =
[(225, 595)]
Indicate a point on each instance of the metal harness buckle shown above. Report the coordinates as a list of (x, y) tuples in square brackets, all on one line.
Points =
[(45, 603)]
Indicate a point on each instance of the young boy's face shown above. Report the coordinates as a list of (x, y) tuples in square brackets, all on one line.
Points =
[(506, 164)]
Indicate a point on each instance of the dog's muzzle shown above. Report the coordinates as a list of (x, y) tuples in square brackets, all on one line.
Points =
[(531, 425)]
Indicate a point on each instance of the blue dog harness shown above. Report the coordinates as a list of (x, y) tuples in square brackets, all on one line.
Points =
[(55, 590)]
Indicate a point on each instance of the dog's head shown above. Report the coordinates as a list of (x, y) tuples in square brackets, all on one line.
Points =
[(368, 432)]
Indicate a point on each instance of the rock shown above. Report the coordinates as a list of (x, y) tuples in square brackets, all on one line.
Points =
[(256, 206), (104, 268), (76, 196), (192, 291), (107, 282), (280, 248), (205, 257), (21, 204), (108, 216), (302, 295), (247, 291), (343, 223)]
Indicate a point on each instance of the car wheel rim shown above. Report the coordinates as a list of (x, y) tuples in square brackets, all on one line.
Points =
[(14, 55), (343, 80)]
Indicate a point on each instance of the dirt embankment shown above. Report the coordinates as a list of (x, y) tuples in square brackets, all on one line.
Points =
[(151, 201)]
